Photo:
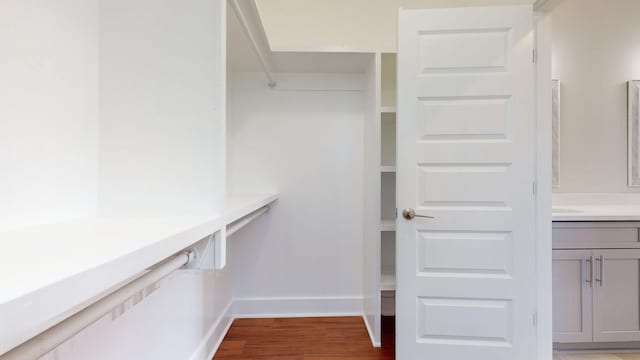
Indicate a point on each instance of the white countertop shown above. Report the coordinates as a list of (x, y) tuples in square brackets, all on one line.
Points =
[(596, 207), (49, 272)]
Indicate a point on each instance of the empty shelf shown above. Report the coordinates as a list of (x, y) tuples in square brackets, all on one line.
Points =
[(387, 282), (72, 262), (387, 225)]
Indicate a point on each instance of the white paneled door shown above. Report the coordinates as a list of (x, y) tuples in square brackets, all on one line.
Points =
[(466, 277)]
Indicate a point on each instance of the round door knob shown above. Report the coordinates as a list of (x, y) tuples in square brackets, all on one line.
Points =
[(408, 214)]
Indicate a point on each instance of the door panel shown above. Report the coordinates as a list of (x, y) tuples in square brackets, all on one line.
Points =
[(466, 279), (462, 51), (483, 253), (463, 321), (572, 302), (460, 118), (462, 186), (616, 296)]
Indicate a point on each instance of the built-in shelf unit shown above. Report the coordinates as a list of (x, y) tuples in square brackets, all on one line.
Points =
[(387, 182), (380, 192)]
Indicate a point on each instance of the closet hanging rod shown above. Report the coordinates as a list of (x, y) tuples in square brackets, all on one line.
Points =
[(48, 340), (262, 58), (242, 222)]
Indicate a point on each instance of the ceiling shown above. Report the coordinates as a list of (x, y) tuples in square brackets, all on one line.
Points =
[(241, 57), (356, 25)]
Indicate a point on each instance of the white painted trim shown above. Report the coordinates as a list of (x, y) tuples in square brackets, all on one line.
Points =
[(254, 31), (543, 33), (374, 342), (608, 348), (545, 5), (212, 340), (329, 49), (258, 16), (371, 304), (285, 307)]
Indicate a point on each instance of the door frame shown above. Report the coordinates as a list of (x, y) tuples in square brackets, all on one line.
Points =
[(543, 40), (544, 285)]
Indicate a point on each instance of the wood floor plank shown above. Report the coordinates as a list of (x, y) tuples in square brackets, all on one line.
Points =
[(327, 338), (343, 338)]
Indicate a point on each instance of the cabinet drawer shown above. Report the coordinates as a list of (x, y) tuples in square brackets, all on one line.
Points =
[(600, 235)]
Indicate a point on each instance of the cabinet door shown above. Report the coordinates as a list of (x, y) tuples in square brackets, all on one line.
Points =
[(616, 295), (572, 281)]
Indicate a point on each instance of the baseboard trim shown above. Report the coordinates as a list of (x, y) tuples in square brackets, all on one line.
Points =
[(370, 332), (212, 340), (595, 347), (297, 307)]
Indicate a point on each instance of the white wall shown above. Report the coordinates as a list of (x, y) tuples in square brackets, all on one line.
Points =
[(162, 81), (48, 110), (367, 25), (307, 144), (596, 50), (140, 79)]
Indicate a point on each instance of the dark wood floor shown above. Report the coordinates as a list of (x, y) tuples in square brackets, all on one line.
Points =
[(343, 338)]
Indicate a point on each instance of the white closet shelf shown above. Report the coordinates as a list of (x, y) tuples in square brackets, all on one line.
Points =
[(66, 266), (388, 109), (388, 168), (387, 225), (387, 281)]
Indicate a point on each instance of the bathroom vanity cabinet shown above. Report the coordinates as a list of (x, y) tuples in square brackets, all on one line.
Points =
[(596, 282)]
